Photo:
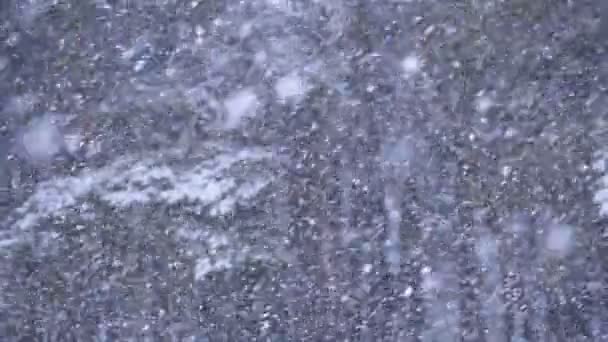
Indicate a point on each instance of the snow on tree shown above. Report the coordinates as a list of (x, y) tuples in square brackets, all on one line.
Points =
[(211, 182)]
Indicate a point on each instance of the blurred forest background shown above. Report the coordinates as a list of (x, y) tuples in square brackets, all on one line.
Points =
[(303, 170)]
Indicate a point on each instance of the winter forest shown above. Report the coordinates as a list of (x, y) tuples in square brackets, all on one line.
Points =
[(303, 170)]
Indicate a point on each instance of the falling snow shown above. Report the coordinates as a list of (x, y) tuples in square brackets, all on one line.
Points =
[(411, 65), (289, 170), (484, 103)]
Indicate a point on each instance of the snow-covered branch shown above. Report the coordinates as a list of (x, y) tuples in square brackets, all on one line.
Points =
[(214, 184)]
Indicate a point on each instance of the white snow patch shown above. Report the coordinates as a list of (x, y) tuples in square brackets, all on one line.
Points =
[(240, 105), (291, 86), (408, 292), (139, 65), (484, 103), (560, 240), (510, 132), (506, 171), (42, 140), (411, 65), (431, 282)]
